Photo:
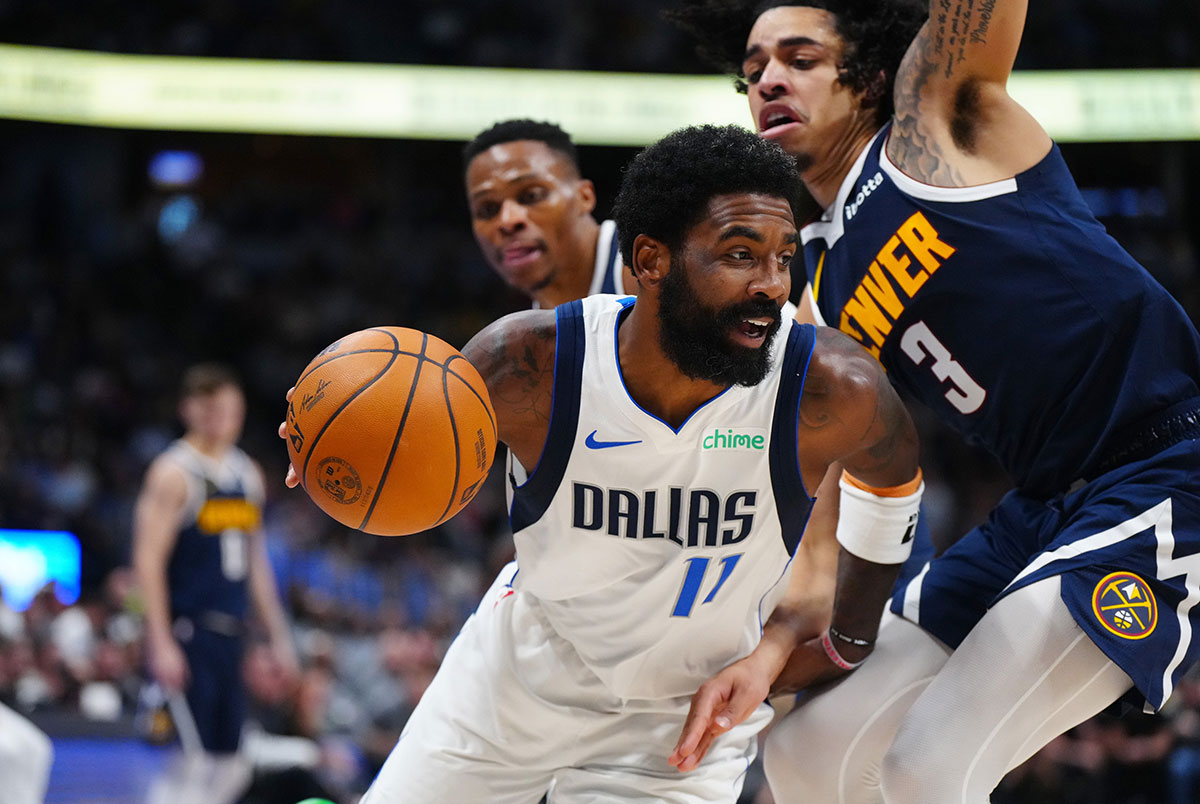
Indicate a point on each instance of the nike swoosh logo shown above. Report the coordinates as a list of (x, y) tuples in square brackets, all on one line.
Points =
[(592, 443)]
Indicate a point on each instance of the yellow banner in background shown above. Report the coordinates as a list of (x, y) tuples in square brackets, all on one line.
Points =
[(454, 103)]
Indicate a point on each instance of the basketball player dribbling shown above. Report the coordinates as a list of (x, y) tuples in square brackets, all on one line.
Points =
[(663, 447), (956, 248)]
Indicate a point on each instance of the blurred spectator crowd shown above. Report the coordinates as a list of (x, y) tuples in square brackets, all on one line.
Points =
[(114, 280), (574, 34)]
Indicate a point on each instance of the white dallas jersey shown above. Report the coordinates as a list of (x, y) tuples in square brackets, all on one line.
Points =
[(659, 553)]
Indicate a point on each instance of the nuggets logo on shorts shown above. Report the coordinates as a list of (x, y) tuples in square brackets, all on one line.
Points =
[(1124, 604)]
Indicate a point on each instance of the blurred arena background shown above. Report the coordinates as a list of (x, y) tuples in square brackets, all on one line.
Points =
[(130, 250)]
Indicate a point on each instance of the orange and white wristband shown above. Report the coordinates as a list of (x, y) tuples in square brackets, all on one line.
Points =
[(877, 524)]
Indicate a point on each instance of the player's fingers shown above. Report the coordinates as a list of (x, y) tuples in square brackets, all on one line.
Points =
[(292, 480), (697, 722), (697, 756), (289, 394), (282, 430)]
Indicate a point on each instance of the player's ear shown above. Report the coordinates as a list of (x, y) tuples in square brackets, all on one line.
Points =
[(873, 94), (651, 260), (587, 194)]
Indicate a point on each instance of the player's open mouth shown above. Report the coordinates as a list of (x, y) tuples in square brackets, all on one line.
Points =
[(775, 120), (521, 254), (752, 331)]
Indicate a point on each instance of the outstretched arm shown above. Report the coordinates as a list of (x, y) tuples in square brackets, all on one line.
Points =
[(956, 124)]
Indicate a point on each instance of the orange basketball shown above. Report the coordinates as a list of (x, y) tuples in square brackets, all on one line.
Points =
[(391, 431)]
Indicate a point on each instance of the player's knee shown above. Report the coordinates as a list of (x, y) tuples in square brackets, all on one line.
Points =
[(903, 771), (780, 758), (797, 756), (896, 779)]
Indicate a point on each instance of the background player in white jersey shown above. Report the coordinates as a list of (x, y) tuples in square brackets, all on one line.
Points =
[(532, 215), (200, 558), (1005, 308), (671, 441)]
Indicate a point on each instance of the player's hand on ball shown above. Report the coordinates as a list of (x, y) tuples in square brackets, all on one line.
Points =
[(292, 479)]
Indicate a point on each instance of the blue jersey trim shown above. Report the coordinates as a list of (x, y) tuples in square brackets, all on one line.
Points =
[(791, 498), (609, 284), (533, 498), (627, 303)]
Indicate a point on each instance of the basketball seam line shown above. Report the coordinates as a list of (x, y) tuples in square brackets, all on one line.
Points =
[(387, 467), (344, 405)]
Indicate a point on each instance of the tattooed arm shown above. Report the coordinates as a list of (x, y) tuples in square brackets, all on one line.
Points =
[(515, 356), (956, 124)]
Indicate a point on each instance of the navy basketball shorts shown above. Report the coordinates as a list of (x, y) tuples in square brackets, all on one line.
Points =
[(1127, 546), (216, 694)]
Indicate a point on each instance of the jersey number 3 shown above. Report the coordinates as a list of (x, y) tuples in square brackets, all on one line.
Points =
[(920, 343)]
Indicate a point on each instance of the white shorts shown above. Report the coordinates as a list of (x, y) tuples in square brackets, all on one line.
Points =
[(513, 713)]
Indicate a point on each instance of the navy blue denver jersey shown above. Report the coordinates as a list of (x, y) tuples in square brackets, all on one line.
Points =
[(209, 566), (1008, 310)]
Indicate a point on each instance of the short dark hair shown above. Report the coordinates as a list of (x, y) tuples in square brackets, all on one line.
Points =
[(522, 129), (876, 34), (668, 186), (203, 379)]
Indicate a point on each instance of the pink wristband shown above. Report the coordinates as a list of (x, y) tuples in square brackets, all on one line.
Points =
[(833, 654)]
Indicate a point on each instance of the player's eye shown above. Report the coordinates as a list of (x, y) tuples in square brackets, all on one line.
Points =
[(532, 195), (753, 76), (803, 64), (785, 259), (486, 211)]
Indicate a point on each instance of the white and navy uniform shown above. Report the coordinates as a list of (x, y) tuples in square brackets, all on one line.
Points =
[(1008, 311), (608, 272), (207, 584), (649, 557)]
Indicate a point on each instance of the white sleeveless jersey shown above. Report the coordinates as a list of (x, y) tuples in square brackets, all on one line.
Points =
[(658, 553)]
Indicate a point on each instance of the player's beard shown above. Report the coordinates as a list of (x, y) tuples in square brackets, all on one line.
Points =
[(696, 337)]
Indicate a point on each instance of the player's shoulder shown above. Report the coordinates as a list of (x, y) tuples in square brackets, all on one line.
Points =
[(840, 371), (167, 474), (511, 348)]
